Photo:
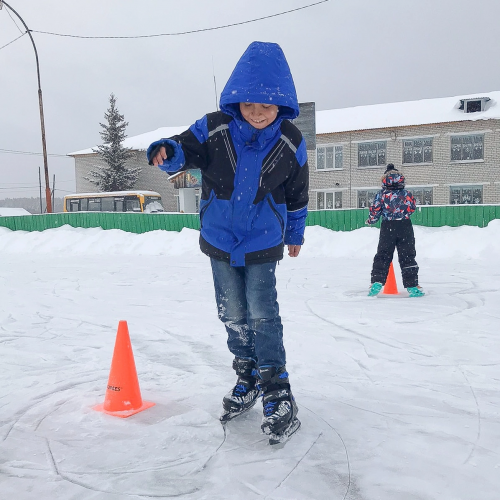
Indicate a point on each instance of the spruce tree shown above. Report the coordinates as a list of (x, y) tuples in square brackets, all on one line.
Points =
[(115, 176)]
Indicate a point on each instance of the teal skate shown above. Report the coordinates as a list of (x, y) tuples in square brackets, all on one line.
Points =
[(415, 291), (375, 289)]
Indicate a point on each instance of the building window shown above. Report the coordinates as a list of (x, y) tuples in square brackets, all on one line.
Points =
[(467, 147), (365, 197), (197, 194), (466, 195), (473, 106), (372, 154), (329, 157), (417, 150), (423, 196), (328, 200)]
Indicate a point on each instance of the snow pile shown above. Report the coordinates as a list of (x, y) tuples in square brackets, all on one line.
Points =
[(465, 242)]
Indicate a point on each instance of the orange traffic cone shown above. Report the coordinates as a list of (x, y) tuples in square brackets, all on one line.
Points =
[(123, 395), (390, 287)]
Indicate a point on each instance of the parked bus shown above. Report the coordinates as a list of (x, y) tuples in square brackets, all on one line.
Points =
[(115, 201)]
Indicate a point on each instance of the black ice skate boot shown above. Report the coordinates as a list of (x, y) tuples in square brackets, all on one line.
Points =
[(280, 410), (244, 394)]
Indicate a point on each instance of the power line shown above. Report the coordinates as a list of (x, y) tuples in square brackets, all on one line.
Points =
[(185, 32), (14, 152), (15, 185), (18, 188), (40, 105), (14, 21), (20, 36)]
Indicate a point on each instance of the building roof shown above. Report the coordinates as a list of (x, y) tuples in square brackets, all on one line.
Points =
[(140, 142), (375, 116), (9, 212), (402, 114)]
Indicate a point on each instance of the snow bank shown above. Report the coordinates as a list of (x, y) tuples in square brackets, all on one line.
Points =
[(465, 242)]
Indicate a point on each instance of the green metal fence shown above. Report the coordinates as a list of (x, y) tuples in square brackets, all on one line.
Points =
[(338, 220), (130, 222), (432, 216)]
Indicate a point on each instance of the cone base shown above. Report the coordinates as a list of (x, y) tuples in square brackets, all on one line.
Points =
[(124, 413)]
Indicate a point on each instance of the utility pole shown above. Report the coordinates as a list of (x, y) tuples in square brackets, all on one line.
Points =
[(53, 190), (40, 103), (39, 184)]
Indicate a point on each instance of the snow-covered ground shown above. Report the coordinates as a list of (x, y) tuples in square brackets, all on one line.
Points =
[(399, 398)]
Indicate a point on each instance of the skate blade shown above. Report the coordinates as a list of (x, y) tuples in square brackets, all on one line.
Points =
[(226, 417), (284, 435), (230, 415)]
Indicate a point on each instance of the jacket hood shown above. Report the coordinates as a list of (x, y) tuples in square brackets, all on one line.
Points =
[(262, 75), (393, 180)]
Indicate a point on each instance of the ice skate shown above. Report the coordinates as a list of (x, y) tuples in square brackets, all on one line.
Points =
[(286, 433), (244, 394), (279, 419), (415, 291), (375, 289)]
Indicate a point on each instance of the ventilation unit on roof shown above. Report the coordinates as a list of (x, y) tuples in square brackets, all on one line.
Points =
[(473, 105)]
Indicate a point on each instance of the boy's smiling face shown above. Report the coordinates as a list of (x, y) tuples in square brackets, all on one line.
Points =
[(258, 115)]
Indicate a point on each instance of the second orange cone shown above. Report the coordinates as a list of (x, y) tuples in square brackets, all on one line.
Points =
[(390, 287), (123, 395)]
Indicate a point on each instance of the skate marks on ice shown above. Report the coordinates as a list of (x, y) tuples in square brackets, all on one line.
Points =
[(313, 463), (109, 457), (358, 330)]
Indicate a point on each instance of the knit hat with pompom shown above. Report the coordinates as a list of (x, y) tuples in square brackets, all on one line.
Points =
[(390, 167)]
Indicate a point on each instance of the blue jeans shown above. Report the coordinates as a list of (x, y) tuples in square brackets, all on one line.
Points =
[(247, 305)]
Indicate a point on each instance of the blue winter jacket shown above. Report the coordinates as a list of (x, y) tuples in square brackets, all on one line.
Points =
[(254, 182)]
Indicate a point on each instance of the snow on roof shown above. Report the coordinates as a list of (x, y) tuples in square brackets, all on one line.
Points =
[(395, 114), (9, 212), (401, 114), (140, 142)]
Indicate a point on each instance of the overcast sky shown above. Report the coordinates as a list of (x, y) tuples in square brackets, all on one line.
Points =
[(342, 53)]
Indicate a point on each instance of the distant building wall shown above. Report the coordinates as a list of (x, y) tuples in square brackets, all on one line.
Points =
[(437, 175), (344, 185)]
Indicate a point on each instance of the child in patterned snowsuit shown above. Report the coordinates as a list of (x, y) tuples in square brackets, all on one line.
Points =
[(395, 205)]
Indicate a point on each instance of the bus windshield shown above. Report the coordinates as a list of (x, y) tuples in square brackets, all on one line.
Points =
[(152, 204)]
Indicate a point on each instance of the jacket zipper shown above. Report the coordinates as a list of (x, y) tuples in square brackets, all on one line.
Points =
[(278, 216), (202, 213)]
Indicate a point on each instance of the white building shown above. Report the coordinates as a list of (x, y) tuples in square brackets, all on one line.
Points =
[(447, 148)]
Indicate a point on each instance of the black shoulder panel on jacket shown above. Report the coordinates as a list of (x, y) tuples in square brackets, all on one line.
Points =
[(289, 130), (216, 119), (221, 165)]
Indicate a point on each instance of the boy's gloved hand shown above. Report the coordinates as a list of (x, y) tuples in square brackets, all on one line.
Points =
[(161, 152), (368, 221)]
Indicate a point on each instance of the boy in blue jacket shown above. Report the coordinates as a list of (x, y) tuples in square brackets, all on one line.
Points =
[(254, 200), (395, 205)]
